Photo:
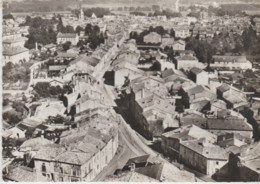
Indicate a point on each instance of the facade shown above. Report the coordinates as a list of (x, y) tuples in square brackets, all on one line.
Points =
[(231, 62), (199, 76), (15, 55), (67, 37), (202, 156), (178, 45), (82, 160), (186, 62), (182, 32)]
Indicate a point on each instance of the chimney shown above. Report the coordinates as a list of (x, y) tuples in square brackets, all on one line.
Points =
[(230, 89), (132, 167), (142, 93)]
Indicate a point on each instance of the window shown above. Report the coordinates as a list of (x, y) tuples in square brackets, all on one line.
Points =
[(43, 167), (61, 170), (74, 173), (61, 179), (217, 162)]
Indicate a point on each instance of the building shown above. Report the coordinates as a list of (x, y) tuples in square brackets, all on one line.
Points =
[(67, 37), (81, 154), (170, 143), (153, 37), (126, 72), (182, 32), (186, 62), (244, 164), (15, 55), (203, 156), (199, 76), (158, 169), (178, 45), (231, 63)]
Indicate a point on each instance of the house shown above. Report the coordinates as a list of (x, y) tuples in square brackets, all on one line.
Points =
[(16, 133), (243, 165), (67, 37), (234, 97), (178, 45), (15, 55), (126, 72), (153, 37), (232, 139), (170, 143), (49, 47), (186, 62), (203, 156), (81, 154), (158, 169), (199, 76), (229, 124), (182, 32), (231, 63), (22, 174), (167, 40), (17, 42)]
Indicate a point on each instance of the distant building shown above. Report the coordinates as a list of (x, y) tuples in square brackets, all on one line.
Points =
[(231, 63), (67, 37), (153, 37), (182, 32), (244, 164), (178, 45), (15, 55), (199, 76), (186, 62), (203, 156)]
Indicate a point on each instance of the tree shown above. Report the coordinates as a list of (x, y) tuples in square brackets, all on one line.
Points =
[(8, 16), (88, 29), (79, 29), (66, 45)]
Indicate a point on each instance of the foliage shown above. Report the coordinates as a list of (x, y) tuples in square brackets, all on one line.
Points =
[(8, 16), (138, 13), (44, 89), (14, 73), (168, 13), (40, 30), (99, 12), (12, 117), (203, 50), (66, 46), (251, 42)]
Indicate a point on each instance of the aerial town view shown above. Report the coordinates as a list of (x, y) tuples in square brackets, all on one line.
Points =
[(130, 91)]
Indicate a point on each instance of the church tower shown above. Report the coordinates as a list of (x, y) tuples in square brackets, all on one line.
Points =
[(81, 14)]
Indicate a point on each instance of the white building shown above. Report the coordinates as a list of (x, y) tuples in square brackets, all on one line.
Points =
[(15, 55), (67, 37), (231, 62)]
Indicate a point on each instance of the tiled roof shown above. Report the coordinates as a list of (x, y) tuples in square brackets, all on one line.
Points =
[(24, 174), (13, 51), (208, 150), (129, 176)]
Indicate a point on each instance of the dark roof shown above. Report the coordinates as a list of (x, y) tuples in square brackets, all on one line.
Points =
[(137, 160), (196, 70), (153, 171), (223, 88), (167, 73), (228, 124)]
